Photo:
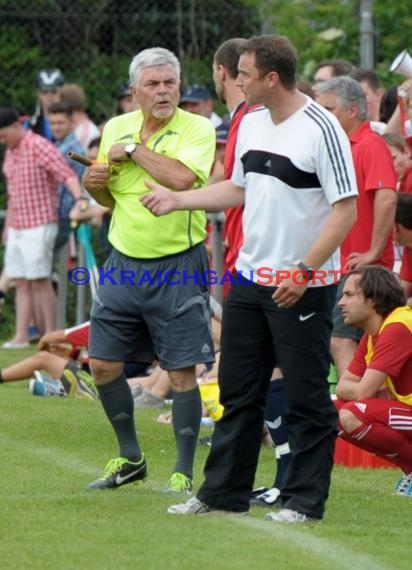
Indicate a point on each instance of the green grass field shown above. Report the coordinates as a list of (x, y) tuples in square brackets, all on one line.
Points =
[(52, 447)]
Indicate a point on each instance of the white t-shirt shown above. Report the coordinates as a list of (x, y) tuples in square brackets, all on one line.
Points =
[(292, 174)]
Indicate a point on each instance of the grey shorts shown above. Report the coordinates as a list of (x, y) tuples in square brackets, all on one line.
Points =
[(341, 330), (146, 309)]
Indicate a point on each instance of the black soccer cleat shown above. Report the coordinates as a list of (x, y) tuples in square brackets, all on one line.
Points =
[(120, 471)]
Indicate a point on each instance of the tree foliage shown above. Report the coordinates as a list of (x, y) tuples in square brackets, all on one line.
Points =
[(93, 42), (324, 29)]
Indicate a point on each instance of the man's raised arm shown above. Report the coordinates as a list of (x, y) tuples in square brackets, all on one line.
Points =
[(161, 200)]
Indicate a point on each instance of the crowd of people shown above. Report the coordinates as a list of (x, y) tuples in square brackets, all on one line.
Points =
[(310, 229)]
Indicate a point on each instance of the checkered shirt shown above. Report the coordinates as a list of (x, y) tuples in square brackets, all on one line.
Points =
[(33, 171)]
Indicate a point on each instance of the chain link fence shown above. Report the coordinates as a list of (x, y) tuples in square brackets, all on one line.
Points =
[(93, 42)]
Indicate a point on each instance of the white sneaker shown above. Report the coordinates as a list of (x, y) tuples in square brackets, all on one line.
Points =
[(14, 345), (192, 507), (288, 516)]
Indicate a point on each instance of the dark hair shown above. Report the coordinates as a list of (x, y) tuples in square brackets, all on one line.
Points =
[(380, 285), (94, 142), (368, 76), (403, 214), (228, 54), (274, 53), (61, 107), (389, 102), (8, 116), (339, 66), (124, 90)]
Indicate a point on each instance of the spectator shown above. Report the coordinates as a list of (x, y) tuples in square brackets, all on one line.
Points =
[(33, 168), (154, 395), (84, 128), (389, 102), (48, 82), (125, 100), (93, 148), (306, 88), (372, 89), (4, 287), (62, 350), (329, 68), (403, 235), (375, 391), (58, 351), (225, 74), (62, 127), (297, 212), (164, 143), (402, 160), (95, 214), (217, 172), (400, 122), (197, 99), (370, 239)]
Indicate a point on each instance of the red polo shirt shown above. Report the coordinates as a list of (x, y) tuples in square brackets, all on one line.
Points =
[(405, 184), (374, 170), (406, 266)]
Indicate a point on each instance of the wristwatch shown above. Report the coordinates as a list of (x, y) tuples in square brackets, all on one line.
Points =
[(129, 149), (308, 270)]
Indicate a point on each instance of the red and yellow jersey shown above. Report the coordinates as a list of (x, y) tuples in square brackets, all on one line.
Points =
[(389, 351)]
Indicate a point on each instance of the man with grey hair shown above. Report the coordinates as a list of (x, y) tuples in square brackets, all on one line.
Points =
[(152, 301), (370, 239)]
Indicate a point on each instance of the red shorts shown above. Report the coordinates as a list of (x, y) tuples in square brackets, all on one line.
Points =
[(390, 413)]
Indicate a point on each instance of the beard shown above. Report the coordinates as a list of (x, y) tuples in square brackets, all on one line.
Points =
[(163, 114)]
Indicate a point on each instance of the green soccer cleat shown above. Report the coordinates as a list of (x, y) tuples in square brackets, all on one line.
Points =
[(179, 483)]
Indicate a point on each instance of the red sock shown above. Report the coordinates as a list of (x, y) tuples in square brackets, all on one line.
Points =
[(383, 441)]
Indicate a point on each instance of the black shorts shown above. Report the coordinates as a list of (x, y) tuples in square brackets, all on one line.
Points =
[(138, 314)]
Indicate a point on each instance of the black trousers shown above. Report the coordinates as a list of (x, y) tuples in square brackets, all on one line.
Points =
[(256, 335)]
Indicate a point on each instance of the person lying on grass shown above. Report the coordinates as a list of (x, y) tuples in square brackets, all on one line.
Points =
[(57, 355)]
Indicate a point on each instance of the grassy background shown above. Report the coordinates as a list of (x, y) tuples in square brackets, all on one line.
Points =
[(52, 447)]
